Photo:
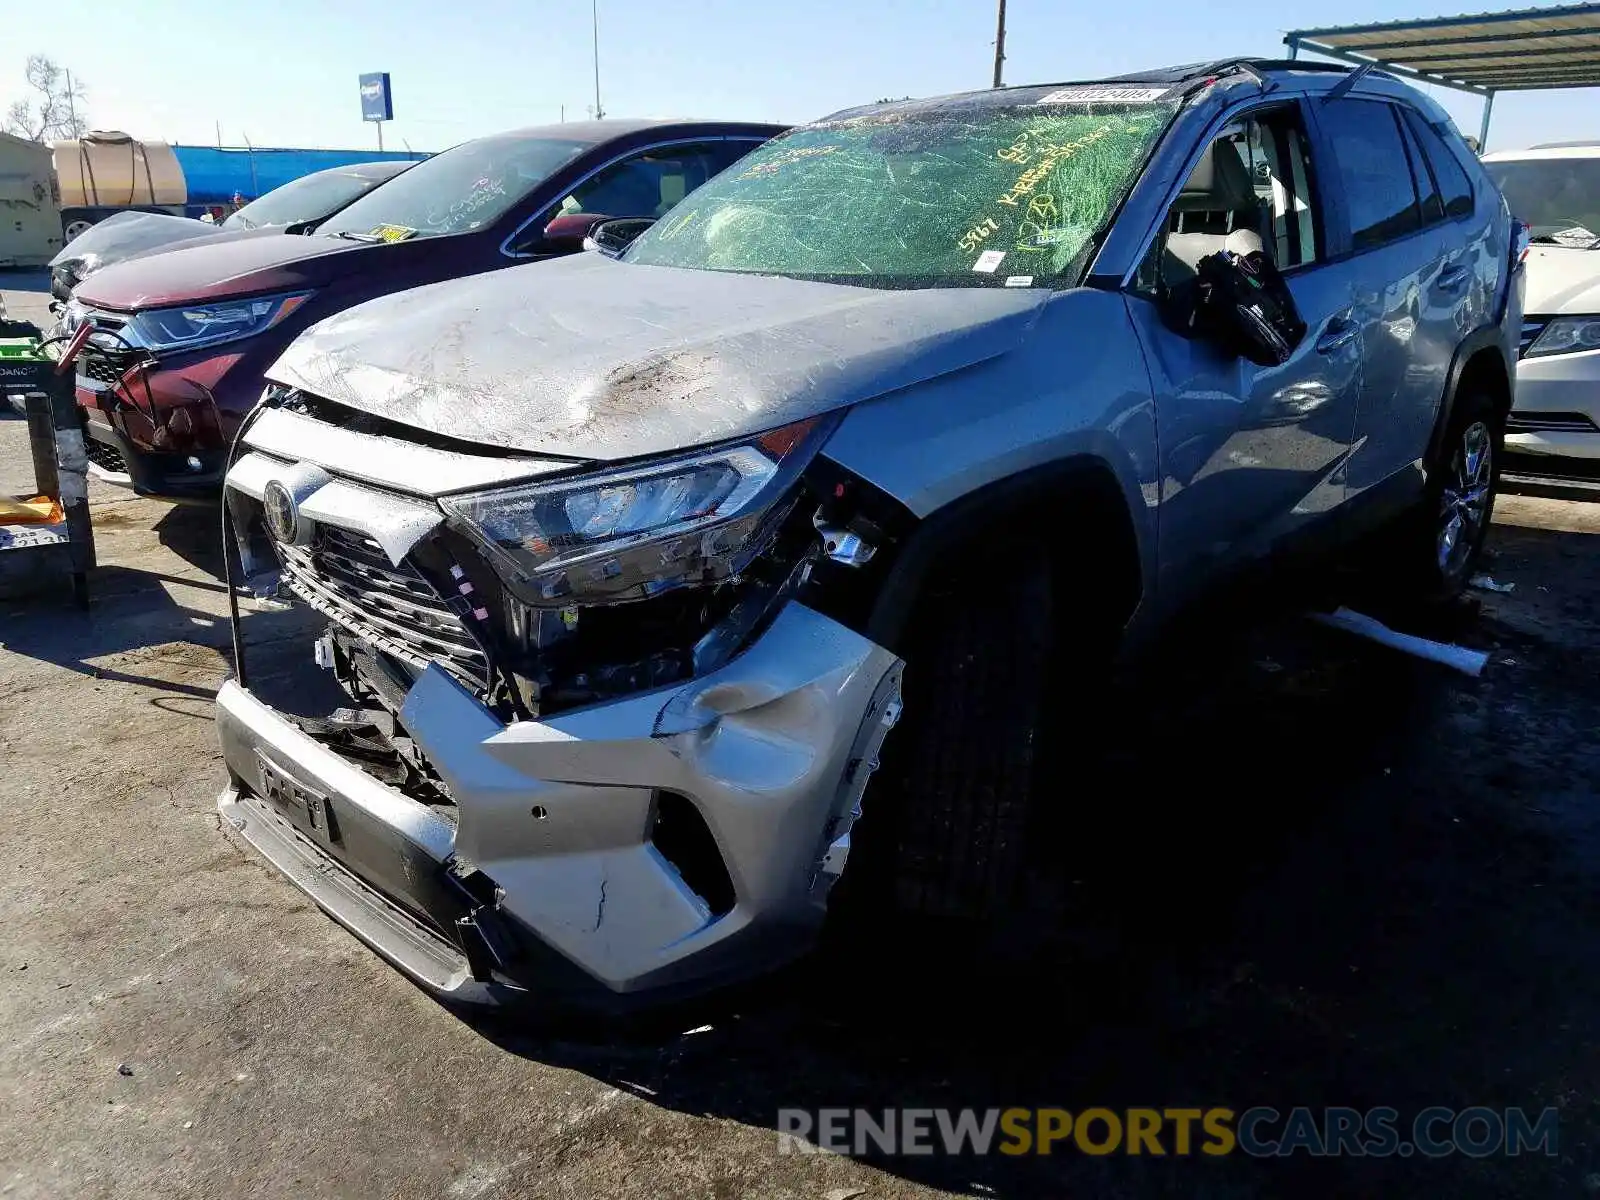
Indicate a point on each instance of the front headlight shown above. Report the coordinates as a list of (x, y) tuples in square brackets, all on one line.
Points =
[(1567, 335), (196, 325), (637, 532)]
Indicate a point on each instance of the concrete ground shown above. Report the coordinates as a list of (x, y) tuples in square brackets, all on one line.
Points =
[(1308, 872)]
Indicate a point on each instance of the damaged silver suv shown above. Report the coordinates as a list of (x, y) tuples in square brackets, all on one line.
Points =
[(626, 565)]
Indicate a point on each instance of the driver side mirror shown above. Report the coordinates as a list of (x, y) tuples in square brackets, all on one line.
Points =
[(611, 238), (1241, 303)]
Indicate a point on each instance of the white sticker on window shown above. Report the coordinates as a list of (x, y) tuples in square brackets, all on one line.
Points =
[(1103, 94), (989, 261), (1019, 280)]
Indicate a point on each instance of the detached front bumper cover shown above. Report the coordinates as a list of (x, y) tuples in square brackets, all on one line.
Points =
[(551, 881)]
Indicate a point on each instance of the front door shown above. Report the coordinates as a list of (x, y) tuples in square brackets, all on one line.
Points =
[(1251, 456)]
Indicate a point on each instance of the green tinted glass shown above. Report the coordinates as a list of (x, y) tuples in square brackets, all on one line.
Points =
[(976, 194)]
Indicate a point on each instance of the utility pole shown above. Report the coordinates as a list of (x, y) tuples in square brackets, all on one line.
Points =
[(594, 13), (1000, 46), (72, 105)]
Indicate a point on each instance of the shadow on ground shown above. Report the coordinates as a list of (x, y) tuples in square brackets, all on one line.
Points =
[(146, 600), (1303, 872)]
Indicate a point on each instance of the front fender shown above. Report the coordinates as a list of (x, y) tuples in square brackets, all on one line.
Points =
[(1074, 394)]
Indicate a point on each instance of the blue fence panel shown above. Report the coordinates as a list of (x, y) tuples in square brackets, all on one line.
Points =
[(213, 175)]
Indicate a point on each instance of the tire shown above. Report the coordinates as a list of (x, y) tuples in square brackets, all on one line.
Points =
[(1441, 542), (75, 227), (944, 826)]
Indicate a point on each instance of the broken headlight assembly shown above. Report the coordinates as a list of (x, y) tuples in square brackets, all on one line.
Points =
[(626, 534)]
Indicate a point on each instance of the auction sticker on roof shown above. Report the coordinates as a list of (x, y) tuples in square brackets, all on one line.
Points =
[(1100, 93)]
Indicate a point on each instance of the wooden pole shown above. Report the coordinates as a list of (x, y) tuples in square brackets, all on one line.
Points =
[(1000, 46)]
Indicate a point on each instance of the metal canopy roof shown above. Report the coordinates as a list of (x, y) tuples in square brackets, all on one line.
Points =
[(1485, 53)]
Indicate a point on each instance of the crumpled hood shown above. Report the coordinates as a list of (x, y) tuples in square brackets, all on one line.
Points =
[(1562, 280), (592, 358)]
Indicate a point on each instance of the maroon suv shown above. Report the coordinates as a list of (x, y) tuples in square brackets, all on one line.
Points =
[(182, 338)]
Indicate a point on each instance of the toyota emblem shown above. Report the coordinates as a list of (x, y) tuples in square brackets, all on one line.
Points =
[(282, 513)]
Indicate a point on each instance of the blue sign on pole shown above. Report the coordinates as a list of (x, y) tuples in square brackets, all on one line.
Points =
[(376, 102)]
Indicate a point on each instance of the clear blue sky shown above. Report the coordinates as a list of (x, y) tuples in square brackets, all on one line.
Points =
[(283, 72)]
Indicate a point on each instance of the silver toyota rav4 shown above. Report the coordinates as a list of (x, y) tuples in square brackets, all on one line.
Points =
[(629, 565)]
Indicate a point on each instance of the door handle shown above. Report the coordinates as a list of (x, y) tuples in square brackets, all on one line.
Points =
[(1337, 336), (1453, 279)]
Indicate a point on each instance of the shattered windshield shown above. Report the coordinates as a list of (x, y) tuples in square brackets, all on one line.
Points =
[(973, 194), (466, 187), (1559, 198)]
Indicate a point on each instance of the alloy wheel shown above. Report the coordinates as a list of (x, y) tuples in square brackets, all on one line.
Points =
[(1464, 506)]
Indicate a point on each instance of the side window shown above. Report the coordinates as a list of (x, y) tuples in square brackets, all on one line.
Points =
[(1422, 176), (1379, 197), (1455, 189), (1251, 190), (650, 183)]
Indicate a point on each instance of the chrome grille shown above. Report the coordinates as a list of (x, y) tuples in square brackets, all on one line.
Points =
[(1532, 327), (350, 580), (1549, 422)]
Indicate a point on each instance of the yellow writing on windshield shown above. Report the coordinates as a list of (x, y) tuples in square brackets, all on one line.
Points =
[(678, 224), (1050, 155)]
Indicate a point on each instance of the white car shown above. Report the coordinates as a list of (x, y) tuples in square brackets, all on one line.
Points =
[(1554, 427)]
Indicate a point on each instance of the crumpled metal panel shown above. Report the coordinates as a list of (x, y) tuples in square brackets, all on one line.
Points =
[(558, 812)]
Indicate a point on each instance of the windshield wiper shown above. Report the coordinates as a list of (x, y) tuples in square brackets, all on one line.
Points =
[(357, 237)]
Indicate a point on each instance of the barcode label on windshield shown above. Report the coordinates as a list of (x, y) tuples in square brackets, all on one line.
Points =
[(1103, 94)]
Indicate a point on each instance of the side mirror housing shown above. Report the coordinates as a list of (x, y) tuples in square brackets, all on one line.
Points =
[(1243, 305), (611, 238), (565, 234)]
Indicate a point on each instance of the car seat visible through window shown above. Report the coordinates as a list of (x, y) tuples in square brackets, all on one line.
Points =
[(1218, 209)]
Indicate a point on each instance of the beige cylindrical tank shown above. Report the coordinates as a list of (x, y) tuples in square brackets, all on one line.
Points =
[(111, 168)]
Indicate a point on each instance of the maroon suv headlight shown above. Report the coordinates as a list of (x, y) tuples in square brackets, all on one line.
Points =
[(192, 326)]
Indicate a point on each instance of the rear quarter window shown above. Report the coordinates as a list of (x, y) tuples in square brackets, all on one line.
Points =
[(1455, 188)]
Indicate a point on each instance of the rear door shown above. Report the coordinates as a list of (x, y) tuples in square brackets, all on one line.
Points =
[(1475, 266), (1402, 259)]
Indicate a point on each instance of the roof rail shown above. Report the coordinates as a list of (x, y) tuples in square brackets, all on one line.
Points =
[(1255, 65)]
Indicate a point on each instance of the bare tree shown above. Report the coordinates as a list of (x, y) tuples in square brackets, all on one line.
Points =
[(56, 112)]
